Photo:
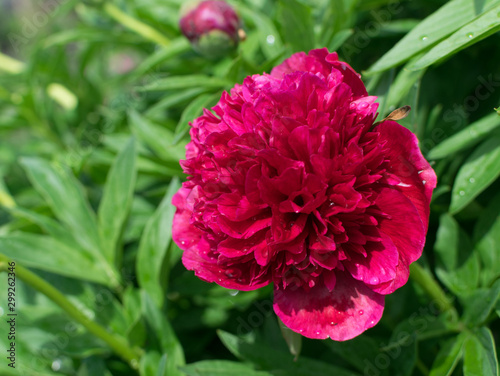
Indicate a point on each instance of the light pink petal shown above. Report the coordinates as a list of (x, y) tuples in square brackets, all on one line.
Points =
[(342, 314)]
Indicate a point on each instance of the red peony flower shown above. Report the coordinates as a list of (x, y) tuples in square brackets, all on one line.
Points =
[(288, 184)]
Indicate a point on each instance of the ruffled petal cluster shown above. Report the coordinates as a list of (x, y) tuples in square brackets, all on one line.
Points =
[(289, 184)]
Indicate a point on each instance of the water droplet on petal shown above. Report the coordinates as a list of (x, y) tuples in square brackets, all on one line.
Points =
[(318, 332), (360, 312), (183, 242), (374, 281), (424, 181), (472, 180)]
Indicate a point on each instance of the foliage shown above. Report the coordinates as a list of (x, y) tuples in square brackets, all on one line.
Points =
[(95, 101)]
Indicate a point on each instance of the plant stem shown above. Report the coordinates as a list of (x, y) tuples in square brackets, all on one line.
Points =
[(117, 343), (425, 280), (135, 25)]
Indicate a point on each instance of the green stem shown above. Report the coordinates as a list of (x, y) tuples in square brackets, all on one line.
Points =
[(427, 282), (117, 343), (135, 25), (10, 65)]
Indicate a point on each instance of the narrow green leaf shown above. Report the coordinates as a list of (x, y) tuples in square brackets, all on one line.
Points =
[(187, 81), (65, 196), (457, 264), (448, 357), (339, 38), (483, 26), (487, 237), (159, 139), (400, 88), (297, 23), (479, 170), (174, 98), (116, 200), (175, 48), (292, 339), (480, 358), (45, 253), (192, 111), (153, 247), (466, 138), (165, 334), (268, 36), (220, 368), (446, 20)]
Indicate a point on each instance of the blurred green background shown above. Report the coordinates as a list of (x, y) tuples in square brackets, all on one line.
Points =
[(95, 100)]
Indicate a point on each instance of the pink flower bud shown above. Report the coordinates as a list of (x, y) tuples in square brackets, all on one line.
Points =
[(212, 27)]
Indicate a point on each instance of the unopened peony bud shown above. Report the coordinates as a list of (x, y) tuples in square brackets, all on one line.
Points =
[(212, 27)]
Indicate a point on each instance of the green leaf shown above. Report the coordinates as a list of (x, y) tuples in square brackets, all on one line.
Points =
[(481, 303), (446, 20), (159, 139), (483, 26), (457, 264), (402, 348), (44, 253), (265, 27), (165, 334), (465, 138), (187, 81), (480, 358), (116, 200), (65, 196), (49, 225), (487, 237), (297, 23), (355, 351), (339, 38), (172, 99), (152, 252), (448, 356), (192, 111), (220, 368), (177, 47), (292, 339), (269, 358), (399, 89), (479, 170)]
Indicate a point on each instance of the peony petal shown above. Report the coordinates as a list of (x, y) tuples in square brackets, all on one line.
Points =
[(418, 179), (378, 266), (183, 233), (406, 230), (342, 314)]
